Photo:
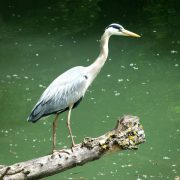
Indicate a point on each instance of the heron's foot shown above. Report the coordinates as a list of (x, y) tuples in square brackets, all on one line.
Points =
[(54, 151), (60, 151), (74, 146)]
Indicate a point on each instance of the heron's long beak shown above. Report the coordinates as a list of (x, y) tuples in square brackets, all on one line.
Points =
[(129, 33)]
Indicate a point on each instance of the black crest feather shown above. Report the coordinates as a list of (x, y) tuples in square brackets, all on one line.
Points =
[(115, 26)]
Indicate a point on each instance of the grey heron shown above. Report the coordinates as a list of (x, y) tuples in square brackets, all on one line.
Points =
[(68, 89)]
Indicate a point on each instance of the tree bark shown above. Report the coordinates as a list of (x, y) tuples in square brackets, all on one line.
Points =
[(127, 134)]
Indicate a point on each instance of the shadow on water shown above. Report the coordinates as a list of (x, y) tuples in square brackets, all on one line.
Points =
[(39, 41)]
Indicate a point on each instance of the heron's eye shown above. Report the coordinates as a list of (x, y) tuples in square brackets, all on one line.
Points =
[(120, 29)]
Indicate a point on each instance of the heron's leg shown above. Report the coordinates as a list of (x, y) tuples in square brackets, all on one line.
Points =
[(54, 132), (69, 125)]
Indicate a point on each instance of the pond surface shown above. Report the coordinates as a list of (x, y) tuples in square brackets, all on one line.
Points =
[(141, 77)]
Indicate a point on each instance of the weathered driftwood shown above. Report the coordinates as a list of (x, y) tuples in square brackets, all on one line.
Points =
[(127, 134)]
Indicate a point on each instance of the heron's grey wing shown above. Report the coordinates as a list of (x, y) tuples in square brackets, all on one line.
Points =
[(65, 90)]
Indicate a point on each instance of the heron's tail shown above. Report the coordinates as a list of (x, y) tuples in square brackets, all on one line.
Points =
[(36, 113)]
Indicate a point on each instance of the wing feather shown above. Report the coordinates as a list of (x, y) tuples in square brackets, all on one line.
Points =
[(65, 90)]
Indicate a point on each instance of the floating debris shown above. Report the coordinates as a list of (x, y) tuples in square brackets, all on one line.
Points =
[(41, 86), (144, 176), (174, 171), (103, 90), (117, 93), (101, 174), (131, 64), (120, 80), (166, 158), (138, 178), (26, 77), (8, 76), (126, 165), (135, 68), (15, 75), (174, 52)]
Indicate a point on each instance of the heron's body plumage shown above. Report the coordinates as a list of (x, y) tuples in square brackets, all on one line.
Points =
[(65, 90)]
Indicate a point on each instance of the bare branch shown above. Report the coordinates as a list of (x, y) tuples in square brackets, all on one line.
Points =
[(127, 134)]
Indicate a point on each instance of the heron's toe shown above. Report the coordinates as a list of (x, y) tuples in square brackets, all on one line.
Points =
[(74, 146), (54, 151)]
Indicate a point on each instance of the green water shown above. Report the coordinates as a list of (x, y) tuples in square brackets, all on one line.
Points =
[(141, 77)]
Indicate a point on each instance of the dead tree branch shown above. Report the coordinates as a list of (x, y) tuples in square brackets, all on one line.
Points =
[(127, 134)]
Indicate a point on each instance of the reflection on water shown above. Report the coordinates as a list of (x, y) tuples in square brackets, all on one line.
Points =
[(140, 77)]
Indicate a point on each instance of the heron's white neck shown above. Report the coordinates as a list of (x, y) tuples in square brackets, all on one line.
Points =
[(95, 67)]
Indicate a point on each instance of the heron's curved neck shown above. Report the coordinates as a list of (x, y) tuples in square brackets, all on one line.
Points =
[(101, 59)]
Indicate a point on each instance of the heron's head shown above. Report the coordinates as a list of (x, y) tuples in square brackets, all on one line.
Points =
[(116, 29)]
